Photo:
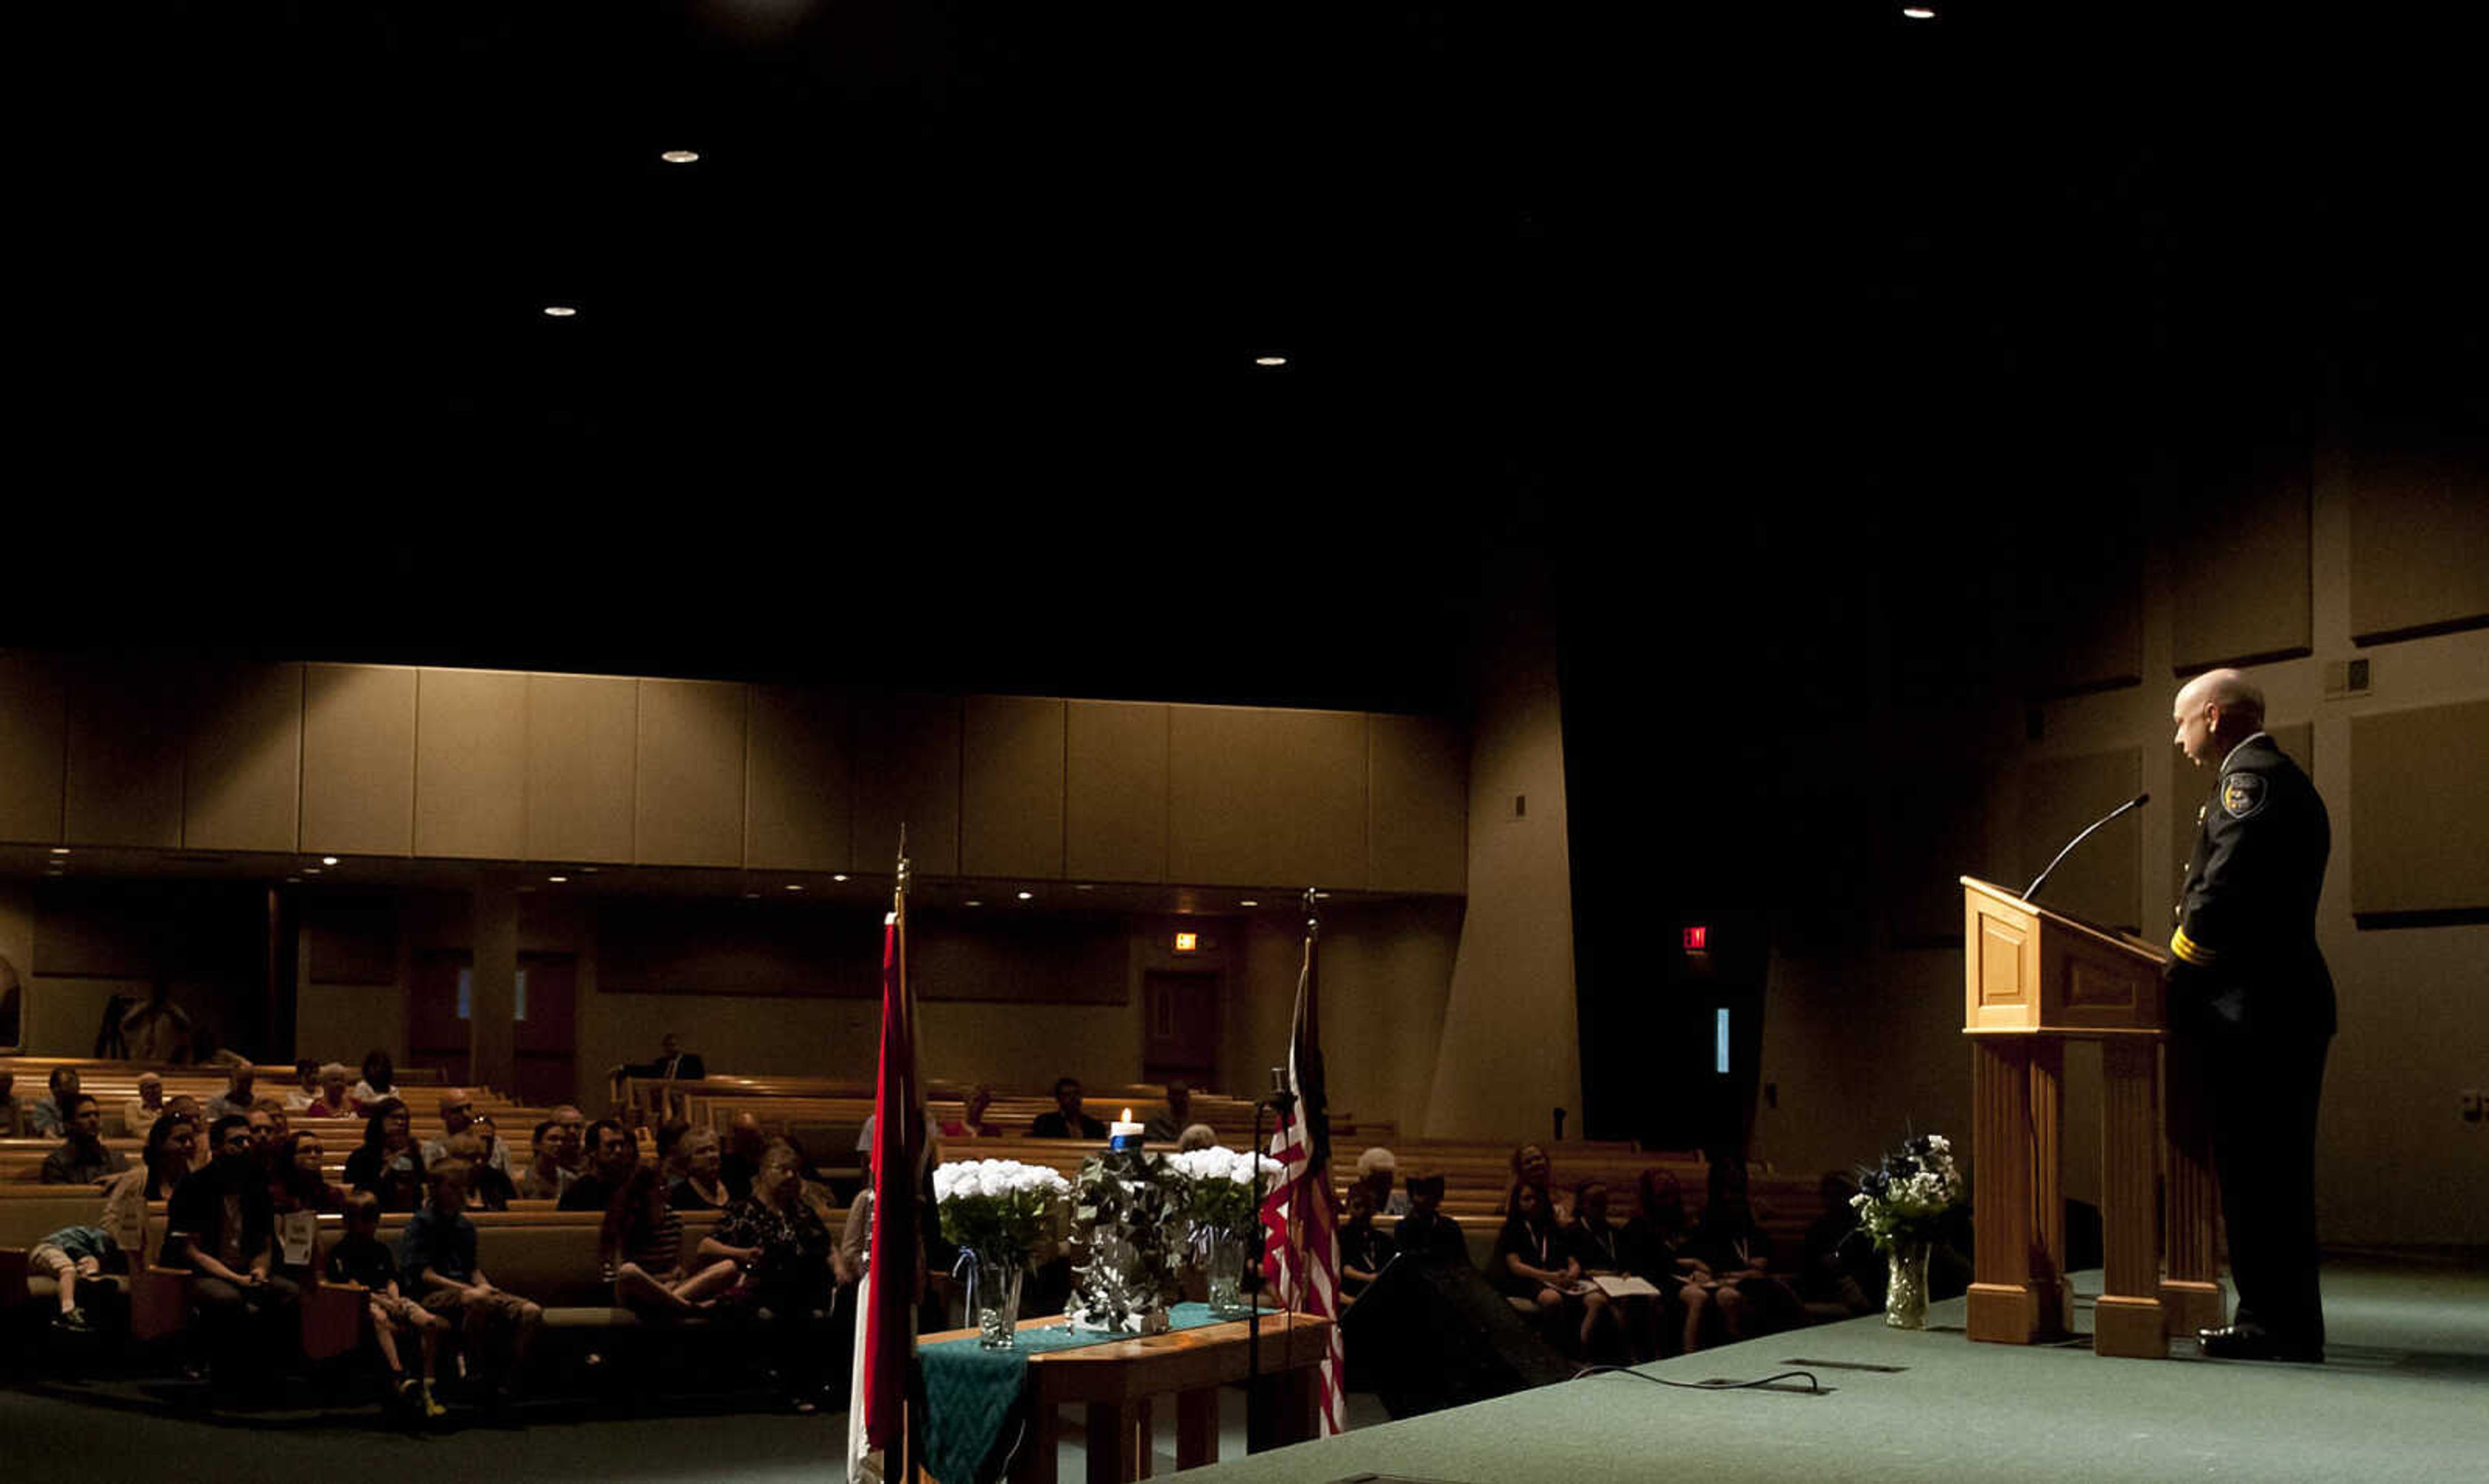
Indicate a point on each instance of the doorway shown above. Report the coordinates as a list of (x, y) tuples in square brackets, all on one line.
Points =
[(1181, 1011), (438, 1008)]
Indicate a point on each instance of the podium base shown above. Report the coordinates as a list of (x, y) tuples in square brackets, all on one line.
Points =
[(2130, 1327), (2014, 1313), (2187, 1306)]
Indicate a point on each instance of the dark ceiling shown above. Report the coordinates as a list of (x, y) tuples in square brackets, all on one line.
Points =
[(937, 366)]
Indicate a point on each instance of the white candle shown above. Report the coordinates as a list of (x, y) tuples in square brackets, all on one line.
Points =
[(1124, 1128)]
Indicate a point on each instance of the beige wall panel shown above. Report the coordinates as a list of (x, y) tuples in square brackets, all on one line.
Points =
[(2420, 541), (1011, 786), (1115, 791), (799, 794), (358, 728), (2419, 810), (689, 786), (124, 784), (907, 772), (34, 733), (2191, 789), (1217, 796), (2061, 797), (1417, 805), (2262, 607), (1317, 767), (471, 768), (242, 788), (582, 746)]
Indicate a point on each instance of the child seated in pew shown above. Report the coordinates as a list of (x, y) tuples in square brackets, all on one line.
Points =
[(437, 1258), (640, 1248), (362, 1259), (70, 1254)]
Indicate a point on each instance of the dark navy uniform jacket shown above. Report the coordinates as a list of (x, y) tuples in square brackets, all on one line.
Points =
[(2246, 943)]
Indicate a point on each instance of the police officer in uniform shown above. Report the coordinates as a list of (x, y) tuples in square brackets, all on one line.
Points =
[(2252, 1005)]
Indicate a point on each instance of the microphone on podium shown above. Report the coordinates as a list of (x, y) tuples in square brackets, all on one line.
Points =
[(2137, 802)]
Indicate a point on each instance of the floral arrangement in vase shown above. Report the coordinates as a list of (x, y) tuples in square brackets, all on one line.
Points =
[(1215, 1195), (999, 1212), (1904, 1205), (1123, 1222)]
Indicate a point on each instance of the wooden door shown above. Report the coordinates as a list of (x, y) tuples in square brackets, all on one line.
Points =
[(1180, 1018)]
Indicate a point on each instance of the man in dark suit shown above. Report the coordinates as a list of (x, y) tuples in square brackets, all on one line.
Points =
[(673, 1062), (1067, 1120), (2251, 1009)]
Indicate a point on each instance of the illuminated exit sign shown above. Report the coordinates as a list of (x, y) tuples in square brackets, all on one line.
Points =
[(1698, 941), (1187, 942)]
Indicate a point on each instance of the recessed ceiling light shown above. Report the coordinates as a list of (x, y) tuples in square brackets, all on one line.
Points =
[(838, 878), (680, 157), (293, 881), (60, 849), (793, 886), (587, 871), (557, 880), (1919, 11), (973, 903), (1085, 888), (1270, 361), (327, 860), (310, 871), (1027, 896), (560, 311), (1249, 904), (752, 896)]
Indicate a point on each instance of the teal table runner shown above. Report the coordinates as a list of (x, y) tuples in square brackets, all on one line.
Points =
[(970, 1392)]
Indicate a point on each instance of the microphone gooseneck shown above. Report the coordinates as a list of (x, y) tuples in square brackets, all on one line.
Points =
[(2137, 802)]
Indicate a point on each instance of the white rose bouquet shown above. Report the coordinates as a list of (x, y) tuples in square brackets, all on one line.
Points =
[(1000, 1208), (1216, 1187), (1904, 1200)]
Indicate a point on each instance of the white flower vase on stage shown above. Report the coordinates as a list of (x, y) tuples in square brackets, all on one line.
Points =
[(1906, 1286), (1223, 1267), (997, 1302)]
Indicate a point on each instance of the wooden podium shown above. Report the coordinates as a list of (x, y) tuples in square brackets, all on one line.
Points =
[(2033, 980)]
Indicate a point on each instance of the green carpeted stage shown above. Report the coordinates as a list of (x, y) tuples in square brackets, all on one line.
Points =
[(2404, 1396)]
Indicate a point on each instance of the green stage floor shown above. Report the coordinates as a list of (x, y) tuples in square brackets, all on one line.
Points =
[(2404, 1396)]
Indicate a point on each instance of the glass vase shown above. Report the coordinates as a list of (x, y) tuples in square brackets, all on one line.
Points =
[(997, 1301), (1906, 1286), (1223, 1267)]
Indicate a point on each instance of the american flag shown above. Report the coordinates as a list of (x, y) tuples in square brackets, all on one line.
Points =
[(1301, 1217), (884, 1381)]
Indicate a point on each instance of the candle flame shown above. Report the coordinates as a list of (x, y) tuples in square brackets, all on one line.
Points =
[(1128, 1115)]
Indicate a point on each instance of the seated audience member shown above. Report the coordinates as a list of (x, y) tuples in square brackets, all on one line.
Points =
[(162, 1168), (703, 1186), (388, 1163), (306, 1090), (1738, 1251), (1166, 1124), (487, 1189), (1841, 1268), (331, 1100), (457, 1108), (437, 1261), (139, 1113), (73, 1255), (640, 1248), (378, 1084), (784, 1250), (1660, 1251), (745, 1145), (1364, 1249), (971, 1123), (268, 1127), (670, 1148), (1603, 1250), (361, 1258), (676, 1063), (1538, 1270), (1197, 1136), (617, 1155), (1066, 1120), (83, 1158), (488, 1132), (47, 1117), (236, 1100), (544, 1178), (570, 1144), (1532, 1167), (1375, 1168), (297, 1192), (1425, 1232), (221, 1227), (12, 1118), (188, 1106)]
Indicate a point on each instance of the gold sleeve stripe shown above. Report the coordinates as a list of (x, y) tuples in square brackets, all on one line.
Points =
[(2188, 949)]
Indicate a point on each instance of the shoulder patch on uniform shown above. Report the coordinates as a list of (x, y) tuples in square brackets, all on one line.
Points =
[(2243, 794)]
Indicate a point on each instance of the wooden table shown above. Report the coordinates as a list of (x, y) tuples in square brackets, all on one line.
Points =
[(1118, 1380)]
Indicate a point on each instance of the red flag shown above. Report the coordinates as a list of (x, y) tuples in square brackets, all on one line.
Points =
[(898, 1158), (1301, 1217)]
